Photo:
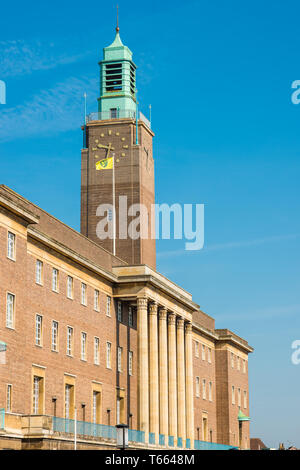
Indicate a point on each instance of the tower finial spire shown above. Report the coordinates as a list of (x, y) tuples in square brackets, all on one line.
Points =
[(117, 28)]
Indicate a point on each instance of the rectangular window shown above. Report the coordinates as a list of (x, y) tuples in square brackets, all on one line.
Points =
[(108, 355), (96, 351), (245, 399), (238, 363), (209, 355), (203, 352), (39, 272), (70, 290), (119, 311), (8, 397), (232, 395), (36, 394), (69, 341), (83, 346), (197, 387), (130, 362), (96, 300), (83, 293), (55, 280), (204, 389), (54, 336), (120, 353), (10, 310), (239, 397), (210, 391), (108, 303), (96, 407), (113, 111), (69, 401), (232, 360), (244, 366), (130, 317), (38, 330), (196, 348), (11, 246)]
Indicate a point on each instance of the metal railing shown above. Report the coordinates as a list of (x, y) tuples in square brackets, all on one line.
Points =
[(171, 441), (117, 114), (136, 436), (151, 438), (84, 428), (202, 445), (2, 418), (161, 439), (179, 441)]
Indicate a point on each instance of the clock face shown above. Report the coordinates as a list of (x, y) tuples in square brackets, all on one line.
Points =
[(103, 147)]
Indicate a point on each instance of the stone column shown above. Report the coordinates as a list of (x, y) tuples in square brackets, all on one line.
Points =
[(143, 386), (172, 376), (163, 374), (181, 416), (153, 375), (189, 389)]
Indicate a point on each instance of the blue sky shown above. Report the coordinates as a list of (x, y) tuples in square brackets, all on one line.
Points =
[(218, 76)]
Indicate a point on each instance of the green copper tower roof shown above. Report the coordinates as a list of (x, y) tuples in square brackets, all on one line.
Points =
[(117, 81), (242, 416)]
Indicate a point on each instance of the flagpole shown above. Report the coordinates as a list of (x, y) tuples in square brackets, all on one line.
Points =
[(114, 208)]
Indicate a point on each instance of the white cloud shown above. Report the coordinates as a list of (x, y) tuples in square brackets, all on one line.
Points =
[(57, 109), (18, 57)]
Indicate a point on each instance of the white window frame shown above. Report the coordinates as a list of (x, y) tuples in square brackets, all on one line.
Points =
[(38, 330), (97, 300), (70, 339), (209, 355), (232, 395), (36, 394), (203, 352), (96, 351), (239, 397), (108, 355), (10, 310), (83, 345), (244, 366), (204, 389), (197, 348), (39, 272), (68, 389), (130, 363), (232, 360), (83, 294), (70, 287), (245, 399), (130, 316), (198, 387), (54, 336), (238, 363), (120, 358), (11, 246), (9, 398), (119, 311), (55, 275), (210, 388), (108, 305)]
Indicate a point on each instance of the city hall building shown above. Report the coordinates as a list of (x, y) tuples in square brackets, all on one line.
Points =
[(90, 329)]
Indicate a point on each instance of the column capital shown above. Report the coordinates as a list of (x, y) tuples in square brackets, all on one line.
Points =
[(172, 319), (153, 308), (163, 312), (188, 327), (142, 302), (180, 323)]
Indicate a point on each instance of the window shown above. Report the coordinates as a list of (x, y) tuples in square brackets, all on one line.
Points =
[(113, 113), (204, 389), (10, 310), (38, 394), (8, 397), (55, 280), (245, 399), (232, 395), (239, 397), (83, 346), (119, 310), (244, 366), (120, 353), (108, 355), (210, 391), (238, 363), (96, 407), (54, 336), (70, 289), (232, 360), (203, 352), (69, 401), (209, 355), (69, 341), (39, 272), (11, 246), (96, 351), (38, 330), (96, 300), (83, 293), (196, 348), (130, 362), (197, 387), (130, 317), (108, 303)]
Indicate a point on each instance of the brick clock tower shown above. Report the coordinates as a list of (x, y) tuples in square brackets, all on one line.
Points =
[(118, 130)]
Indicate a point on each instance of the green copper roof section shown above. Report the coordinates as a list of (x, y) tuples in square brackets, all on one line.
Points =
[(117, 50), (242, 416), (2, 346)]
